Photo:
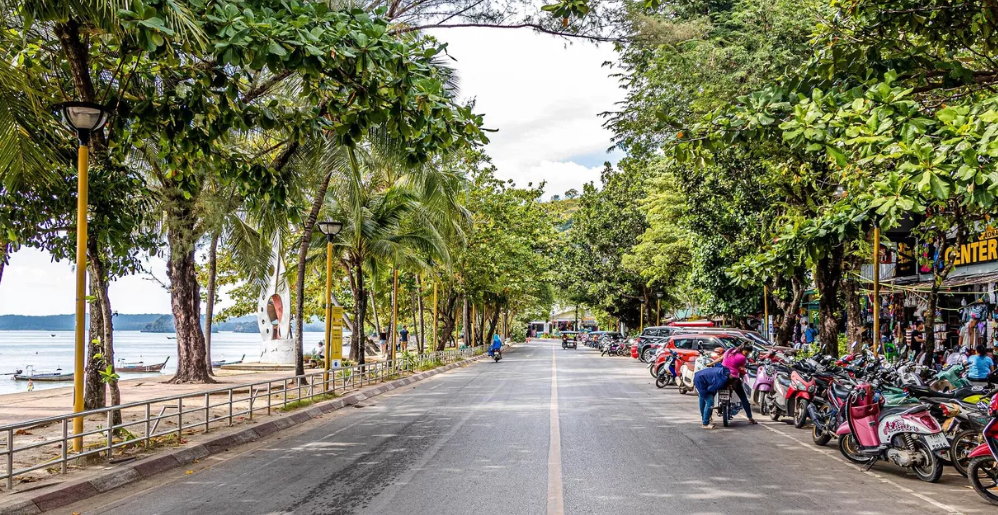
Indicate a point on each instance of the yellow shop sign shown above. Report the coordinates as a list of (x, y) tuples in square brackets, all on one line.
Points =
[(983, 250)]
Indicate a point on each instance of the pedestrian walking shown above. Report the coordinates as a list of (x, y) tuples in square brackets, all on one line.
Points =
[(708, 382), (383, 342), (403, 339), (808, 334)]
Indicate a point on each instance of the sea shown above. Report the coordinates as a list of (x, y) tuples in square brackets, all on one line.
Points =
[(48, 351)]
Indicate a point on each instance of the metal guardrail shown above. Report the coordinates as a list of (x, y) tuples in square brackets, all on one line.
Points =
[(202, 410)]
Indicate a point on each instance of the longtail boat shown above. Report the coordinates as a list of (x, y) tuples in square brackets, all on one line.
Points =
[(140, 366), (223, 362)]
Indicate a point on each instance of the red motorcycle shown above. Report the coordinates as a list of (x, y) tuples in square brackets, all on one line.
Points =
[(983, 469), (791, 394)]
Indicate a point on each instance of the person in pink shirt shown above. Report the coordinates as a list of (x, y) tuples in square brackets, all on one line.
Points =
[(735, 360)]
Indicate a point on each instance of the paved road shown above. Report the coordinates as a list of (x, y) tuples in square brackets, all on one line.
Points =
[(545, 430)]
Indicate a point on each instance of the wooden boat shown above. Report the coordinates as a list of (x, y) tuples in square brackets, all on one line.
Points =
[(140, 366), (44, 376), (14, 373), (223, 362), (171, 337)]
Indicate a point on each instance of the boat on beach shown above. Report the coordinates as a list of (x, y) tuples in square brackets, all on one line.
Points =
[(58, 375), (223, 362), (140, 366)]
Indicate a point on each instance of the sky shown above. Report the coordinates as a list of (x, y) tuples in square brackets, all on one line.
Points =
[(541, 93)]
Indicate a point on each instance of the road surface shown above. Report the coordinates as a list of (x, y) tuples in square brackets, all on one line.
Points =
[(545, 430)]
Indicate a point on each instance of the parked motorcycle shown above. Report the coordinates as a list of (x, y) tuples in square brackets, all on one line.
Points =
[(725, 406), (791, 395), (983, 468), (666, 369), (907, 436)]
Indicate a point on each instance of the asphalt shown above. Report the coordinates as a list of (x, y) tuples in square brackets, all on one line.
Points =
[(545, 430)]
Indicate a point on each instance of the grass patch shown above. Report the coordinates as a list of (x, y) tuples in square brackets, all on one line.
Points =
[(301, 403), (430, 365)]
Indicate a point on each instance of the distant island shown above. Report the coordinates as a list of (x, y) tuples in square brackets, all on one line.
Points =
[(148, 323)]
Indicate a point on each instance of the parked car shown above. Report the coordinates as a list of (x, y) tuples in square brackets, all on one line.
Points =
[(650, 340), (689, 345)]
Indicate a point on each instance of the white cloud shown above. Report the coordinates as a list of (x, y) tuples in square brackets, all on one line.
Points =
[(544, 95), (562, 177)]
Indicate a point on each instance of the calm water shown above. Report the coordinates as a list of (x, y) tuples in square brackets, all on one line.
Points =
[(49, 350)]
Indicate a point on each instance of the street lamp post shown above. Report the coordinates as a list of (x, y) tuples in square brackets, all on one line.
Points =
[(658, 310), (84, 118), (330, 229)]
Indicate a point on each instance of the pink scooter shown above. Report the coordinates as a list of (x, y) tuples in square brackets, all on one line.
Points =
[(764, 377), (907, 436)]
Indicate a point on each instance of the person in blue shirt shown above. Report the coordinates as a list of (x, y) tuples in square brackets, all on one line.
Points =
[(496, 345), (980, 366), (708, 382)]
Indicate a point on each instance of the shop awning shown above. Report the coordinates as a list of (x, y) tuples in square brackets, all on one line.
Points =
[(950, 282)]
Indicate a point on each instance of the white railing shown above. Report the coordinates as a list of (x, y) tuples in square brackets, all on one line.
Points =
[(197, 411)]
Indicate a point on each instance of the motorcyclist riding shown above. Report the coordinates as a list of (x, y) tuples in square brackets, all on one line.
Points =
[(496, 346)]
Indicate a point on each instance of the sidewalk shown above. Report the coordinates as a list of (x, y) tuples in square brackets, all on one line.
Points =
[(19, 407)]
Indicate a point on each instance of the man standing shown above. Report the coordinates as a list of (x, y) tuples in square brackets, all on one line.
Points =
[(708, 382), (403, 339), (808, 334)]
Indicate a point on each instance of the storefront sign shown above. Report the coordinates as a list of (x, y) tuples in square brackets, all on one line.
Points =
[(984, 250)]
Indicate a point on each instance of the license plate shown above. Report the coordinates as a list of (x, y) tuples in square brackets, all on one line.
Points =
[(723, 395), (936, 442)]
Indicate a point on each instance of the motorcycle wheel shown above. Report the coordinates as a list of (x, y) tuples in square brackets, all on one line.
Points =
[(682, 388), (497, 358), (651, 370), (847, 446), (959, 451), (931, 471), (662, 381), (983, 474), (725, 414), (820, 437), (774, 412), (800, 413)]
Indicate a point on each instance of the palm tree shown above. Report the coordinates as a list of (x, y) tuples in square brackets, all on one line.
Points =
[(385, 220)]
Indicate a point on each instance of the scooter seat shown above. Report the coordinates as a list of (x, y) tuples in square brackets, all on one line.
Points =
[(784, 380), (838, 391)]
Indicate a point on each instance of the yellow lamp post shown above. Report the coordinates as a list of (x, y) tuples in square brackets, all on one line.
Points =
[(330, 229), (84, 118)]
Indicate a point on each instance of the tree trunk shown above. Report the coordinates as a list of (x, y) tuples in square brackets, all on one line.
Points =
[(374, 306), (827, 279), (306, 239), (854, 314), (449, 319), (101, 309), (209, 309), (94, 389), (789, 309), (185, 295), (357, 339), (466, 315), (938, 277), (492, 325), (422, 318)]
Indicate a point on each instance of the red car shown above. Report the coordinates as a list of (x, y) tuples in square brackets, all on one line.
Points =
[(688, 347)]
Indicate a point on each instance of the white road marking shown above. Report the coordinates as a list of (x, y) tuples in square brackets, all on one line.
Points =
[(556, 499), (882, 479)]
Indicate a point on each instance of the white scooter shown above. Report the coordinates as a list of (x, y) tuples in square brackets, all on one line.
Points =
[(686, 372)]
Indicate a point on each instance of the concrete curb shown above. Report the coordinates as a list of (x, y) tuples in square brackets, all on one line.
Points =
[(66, 494)]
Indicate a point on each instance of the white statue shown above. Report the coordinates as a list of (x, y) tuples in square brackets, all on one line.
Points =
[(274, 316)]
